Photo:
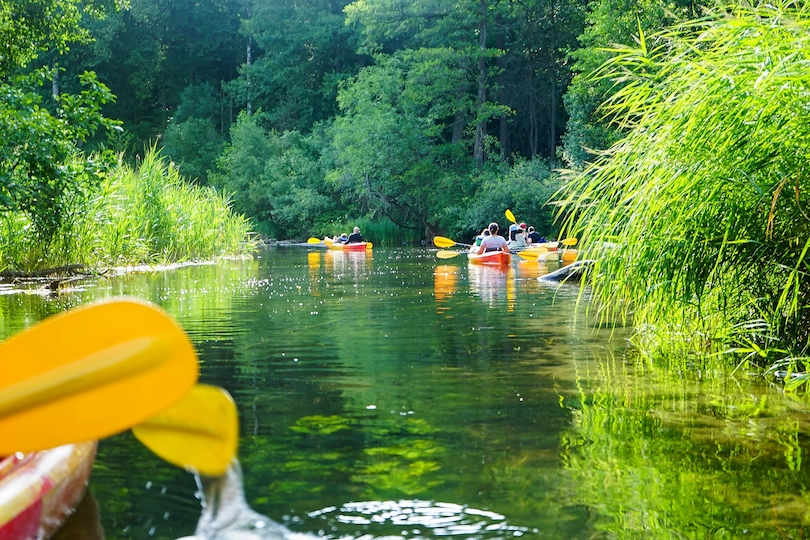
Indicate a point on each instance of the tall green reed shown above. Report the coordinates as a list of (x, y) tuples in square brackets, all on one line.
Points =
[(707, 194), (145, 214)]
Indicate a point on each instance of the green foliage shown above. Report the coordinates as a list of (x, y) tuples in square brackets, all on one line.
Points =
[(194, 146), (524, 188), (148, 215), (706, 194), (309, 50), (41, 166), (610, 22), (276, 178), (28, 27), (387, 147)]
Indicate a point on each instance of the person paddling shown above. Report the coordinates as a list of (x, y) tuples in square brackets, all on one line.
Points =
[(534, 236), (355, 237), (493, 242)]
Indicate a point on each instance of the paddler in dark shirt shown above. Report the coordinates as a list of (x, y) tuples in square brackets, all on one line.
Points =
[(355, 237)]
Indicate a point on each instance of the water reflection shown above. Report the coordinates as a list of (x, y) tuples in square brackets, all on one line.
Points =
[(390, 381), (489, 282), (445, 277)]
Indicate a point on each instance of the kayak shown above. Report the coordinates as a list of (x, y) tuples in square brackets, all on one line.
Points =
[(357, 246), (490, 257), (551, 246), (39, 490)]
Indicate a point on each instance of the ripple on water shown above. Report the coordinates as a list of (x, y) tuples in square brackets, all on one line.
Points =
[(414, 518)]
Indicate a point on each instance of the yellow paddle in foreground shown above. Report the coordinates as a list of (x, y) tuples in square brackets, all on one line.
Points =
[(568, 242), (91, 372), (200, 433), (448, 254), (313, 240)]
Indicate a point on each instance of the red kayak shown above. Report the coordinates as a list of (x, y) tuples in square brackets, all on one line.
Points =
[(39, 490), (357, 246), (490, 257)]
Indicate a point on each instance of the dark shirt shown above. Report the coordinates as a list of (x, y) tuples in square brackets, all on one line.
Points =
[(535, 236), (355, 238)]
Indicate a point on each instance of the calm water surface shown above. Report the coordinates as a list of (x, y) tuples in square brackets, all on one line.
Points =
[(399, 394)]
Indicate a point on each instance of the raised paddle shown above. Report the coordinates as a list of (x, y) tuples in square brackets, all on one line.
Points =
[(91, 372), (200, 433), (448, 254), (510, 216), (442, 242), (314, 240)]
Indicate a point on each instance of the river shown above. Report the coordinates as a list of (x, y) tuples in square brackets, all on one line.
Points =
[(398, 394)]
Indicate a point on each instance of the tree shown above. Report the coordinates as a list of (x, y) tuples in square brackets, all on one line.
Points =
[(41, 163), (275, 177), (389, 145), (304, 49)]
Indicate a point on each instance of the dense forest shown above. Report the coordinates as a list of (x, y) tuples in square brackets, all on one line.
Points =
[(431, 116)]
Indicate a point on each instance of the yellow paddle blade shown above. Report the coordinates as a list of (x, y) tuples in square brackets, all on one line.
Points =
[(448, 254), (569, 242), (533, 254), (314, 240), (510, 216), (369, 246), (89, 373), (200, 433), (442, 242), (328, 241)]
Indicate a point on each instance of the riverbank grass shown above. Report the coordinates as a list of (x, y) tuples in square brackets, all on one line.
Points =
[(142, 215)]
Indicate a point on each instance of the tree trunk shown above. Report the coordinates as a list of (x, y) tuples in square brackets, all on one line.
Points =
[(503, 124), (481, 124), (459, 120), (248, 62), (55, 81), (552, 71)]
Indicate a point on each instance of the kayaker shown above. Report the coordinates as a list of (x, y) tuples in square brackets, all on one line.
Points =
[(474, 247), (355, 237), (533, 237), (342, 239), (493, 242), (517, 238)]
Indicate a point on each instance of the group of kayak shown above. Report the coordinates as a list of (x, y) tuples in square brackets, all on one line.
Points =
[(491, 248)]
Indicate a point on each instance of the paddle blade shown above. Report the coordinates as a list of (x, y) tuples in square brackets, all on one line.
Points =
[(510, 216), (314, 240), (533, 254), (448, 254), (442, 242), (328, 241), (200, 433), (89, 373), (369, 246), (569, 242)]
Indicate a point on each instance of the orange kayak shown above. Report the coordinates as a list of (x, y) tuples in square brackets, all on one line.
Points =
[(357, 246), (490, 257), (39, 490)]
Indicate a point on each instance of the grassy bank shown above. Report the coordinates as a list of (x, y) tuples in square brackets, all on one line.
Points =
[(146, 214)]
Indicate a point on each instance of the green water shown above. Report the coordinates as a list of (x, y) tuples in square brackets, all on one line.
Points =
[(398, 394)]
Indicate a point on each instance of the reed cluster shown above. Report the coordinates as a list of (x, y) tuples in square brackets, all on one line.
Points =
[(706, 198), (145, 214)]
